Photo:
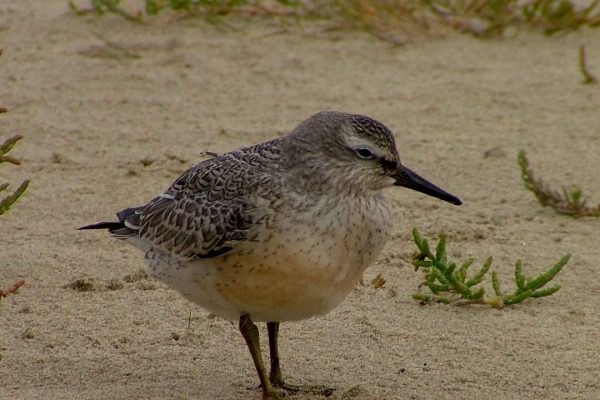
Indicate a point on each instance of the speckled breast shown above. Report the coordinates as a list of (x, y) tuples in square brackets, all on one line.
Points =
[(306, 260)]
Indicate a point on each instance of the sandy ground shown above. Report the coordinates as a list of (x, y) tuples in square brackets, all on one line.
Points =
[(91, 121)]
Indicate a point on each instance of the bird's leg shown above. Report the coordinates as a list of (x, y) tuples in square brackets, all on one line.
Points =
[(250, 333), (276, 377)]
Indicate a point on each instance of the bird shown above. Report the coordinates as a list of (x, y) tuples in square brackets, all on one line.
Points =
[(275, 232)]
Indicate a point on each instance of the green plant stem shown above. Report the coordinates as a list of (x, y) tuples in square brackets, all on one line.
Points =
[(449, 285), (565, 202), (9, 200)]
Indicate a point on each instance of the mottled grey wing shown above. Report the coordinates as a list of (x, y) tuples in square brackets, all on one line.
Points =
[(205, 213)]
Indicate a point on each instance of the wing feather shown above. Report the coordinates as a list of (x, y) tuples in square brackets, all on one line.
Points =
[(208, 210)]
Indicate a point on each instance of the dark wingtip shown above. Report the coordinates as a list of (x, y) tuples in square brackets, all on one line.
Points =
[(102, 225)]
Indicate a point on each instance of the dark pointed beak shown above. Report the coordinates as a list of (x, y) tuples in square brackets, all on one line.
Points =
[(409, 179)]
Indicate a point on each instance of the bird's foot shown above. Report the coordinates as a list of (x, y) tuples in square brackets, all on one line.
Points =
[(273, 394), (318, 390)]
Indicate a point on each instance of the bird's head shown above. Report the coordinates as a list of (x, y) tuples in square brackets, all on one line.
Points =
[(356, 152)]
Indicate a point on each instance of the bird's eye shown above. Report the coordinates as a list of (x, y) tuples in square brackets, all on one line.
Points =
[(364, 153)]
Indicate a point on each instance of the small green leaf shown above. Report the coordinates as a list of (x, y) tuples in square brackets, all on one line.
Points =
[(460, 287), (517, 298), (9, 200), (576, 195), (496, 284), (421, 264), (152, 7), (546, 292), (446, 269), (478, 294), (436, 289), (519, 277), (430, 278), (9, 144), (440, 251), (464, 268), (479, 275), (422, 244), (422, 297), (437, 274), (549, 275)]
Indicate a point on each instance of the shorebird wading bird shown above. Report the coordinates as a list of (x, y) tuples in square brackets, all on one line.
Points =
[(279, 231)]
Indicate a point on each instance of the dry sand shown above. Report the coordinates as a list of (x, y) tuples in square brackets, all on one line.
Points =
[(91, 121)]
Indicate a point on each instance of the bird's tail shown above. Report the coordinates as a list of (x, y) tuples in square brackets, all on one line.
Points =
[(103, 225), (127, 226)]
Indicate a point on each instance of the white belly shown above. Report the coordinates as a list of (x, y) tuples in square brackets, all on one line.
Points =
[(298, 269)]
